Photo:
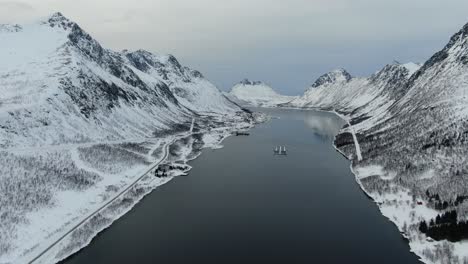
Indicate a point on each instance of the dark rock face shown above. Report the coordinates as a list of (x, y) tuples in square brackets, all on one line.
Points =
[(87, 92), (58, 20), (146, 61), (392, 74), (10, 28), (196, 74), (93, 93), (247, 82), (393, 78), (443, 54), (332, 77)]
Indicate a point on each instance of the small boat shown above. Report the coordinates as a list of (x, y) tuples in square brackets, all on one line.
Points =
[(280, 150), (276, 150), (284, 151)]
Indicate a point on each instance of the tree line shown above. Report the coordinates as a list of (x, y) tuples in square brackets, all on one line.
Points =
[(445, 226)]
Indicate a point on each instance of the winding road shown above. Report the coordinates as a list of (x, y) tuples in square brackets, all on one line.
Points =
[(117, 196)]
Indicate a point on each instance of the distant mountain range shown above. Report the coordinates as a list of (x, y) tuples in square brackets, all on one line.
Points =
[(257, 93)]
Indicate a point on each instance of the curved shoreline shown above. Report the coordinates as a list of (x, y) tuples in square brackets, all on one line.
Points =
[(85, 230), (417, 241), (148, 189), (417, 246)]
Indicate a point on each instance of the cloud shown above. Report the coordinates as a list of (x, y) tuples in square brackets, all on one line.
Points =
[(286, 43), (15, 11), (15, 5)]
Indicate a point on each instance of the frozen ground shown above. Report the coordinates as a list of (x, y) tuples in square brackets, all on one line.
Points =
[(80, 128), (115, 176), (405, 210), (407, 136)]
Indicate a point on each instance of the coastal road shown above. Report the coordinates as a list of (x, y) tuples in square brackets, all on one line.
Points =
[(117, 196)]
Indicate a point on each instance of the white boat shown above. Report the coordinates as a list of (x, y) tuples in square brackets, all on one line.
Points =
[(279, 150)]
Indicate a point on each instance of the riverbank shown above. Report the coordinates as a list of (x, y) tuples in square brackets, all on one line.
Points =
[(395, 202), (52, 234), (285, 207), (403, 209)]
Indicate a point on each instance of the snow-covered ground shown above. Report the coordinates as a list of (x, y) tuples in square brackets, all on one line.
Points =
[(406, 138), (404, 209), (353, 133), (81, 129), (49, 234)]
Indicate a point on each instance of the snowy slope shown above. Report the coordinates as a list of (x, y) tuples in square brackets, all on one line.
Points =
[(257, 94), (410, 125), (339, 91), (189, 86), (433, 111), (80, 124), (68, 88)]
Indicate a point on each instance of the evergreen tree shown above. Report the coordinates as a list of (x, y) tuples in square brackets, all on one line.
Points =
[(423, 227)]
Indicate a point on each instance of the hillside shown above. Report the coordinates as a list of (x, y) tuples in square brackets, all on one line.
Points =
[(409, 124), (80, 124)]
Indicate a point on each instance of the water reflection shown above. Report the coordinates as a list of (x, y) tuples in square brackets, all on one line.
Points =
[(324, 126)]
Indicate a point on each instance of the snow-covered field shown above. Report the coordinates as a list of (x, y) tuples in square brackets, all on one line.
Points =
[(83, 127), (403, 208), (123, 175), (406, 211)]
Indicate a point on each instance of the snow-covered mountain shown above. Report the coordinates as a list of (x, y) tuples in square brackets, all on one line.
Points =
[(407, 138), (257, 93), (80, 124), (58, 85), (370, 96)]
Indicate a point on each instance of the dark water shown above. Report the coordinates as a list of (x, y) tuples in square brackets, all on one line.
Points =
[(241, 204)]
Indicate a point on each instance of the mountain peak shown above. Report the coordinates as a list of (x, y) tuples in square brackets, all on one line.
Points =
[(395, 73), (338, 75), (57, 15), (57, 19), (456, 49), (248, 82)]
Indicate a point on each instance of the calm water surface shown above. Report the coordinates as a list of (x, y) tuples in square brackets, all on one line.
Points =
[(241, 204)]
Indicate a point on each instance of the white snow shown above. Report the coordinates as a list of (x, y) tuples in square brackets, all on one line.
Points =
[(353, 133), (431, 108), (257, 94), (49, 81), (412, 67)]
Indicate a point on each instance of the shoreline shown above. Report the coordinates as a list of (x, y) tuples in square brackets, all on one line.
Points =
[(98, 216), (418, 243), (148, 189), (416, 246)]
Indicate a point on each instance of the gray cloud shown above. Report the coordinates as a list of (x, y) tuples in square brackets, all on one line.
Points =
[(14, 11), (15, 5), (286, 43)]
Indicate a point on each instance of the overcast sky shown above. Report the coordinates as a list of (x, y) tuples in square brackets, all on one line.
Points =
[(284, 43)]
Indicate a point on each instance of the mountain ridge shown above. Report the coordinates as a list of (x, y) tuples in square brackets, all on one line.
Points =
[(409, 121), (67, 67)]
